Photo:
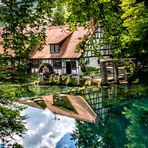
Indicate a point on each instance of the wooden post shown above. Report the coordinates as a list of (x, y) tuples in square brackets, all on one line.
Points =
[(41, 78), (103, 68), (115, 72), (115, 91)]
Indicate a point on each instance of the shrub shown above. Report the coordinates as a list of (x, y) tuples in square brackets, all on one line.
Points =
[(91, 70)]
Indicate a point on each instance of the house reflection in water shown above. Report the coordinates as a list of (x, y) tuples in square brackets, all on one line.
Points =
[(93, 104), (67, 105), (101, 99), (95, 97)]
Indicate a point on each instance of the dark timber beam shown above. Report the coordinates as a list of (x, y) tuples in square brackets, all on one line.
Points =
[(115, 73)]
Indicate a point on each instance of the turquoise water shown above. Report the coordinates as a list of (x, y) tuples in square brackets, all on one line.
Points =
[(122, 121)]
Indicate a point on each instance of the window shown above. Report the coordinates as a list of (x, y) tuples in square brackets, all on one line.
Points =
[(57, 64), (73, 64), (54, 48), (36, 63)]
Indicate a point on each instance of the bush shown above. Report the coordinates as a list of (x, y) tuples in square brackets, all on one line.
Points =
[(64, 79), (91, 71), (71, 81)]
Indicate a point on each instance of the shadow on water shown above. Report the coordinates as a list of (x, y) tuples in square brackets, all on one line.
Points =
[(122, 118)]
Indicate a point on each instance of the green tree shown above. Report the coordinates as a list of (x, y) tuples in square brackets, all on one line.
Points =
[(135, 20), (105, 12), (58, 16), (135, 37), (12, 122), (124, 23), (23, 24)]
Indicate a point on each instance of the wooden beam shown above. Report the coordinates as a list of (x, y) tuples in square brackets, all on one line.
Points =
[(115, 73), (103, 68)]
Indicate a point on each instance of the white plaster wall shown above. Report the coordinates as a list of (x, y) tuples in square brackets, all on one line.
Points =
[(58, 71), (34, 70), (46, 61), (93, 62), (62, 70), (63, 67), (74, 71), (80, 71), (79, 68)]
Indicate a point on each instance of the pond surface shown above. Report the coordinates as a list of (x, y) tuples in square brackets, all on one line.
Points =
[(123, 121), (46, 129)]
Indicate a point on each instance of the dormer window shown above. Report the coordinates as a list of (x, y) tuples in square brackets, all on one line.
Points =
[(54, 48)]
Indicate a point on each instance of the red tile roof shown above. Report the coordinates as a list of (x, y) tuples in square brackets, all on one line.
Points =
[(9, 51), (57, 35), (68, 48)]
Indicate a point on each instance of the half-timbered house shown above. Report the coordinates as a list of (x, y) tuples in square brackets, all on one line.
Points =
[(60, 50)]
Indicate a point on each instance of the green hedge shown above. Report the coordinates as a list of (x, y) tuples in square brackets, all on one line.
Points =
[(64, 80), (91, 70)]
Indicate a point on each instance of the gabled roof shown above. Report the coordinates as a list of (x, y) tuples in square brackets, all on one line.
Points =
[(55, 35), (68, 40), (82, 111)]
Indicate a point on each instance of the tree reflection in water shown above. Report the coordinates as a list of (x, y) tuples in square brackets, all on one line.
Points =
[(125, 122), (87, 135), (123, 113), (137, 130), (11, 122)]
